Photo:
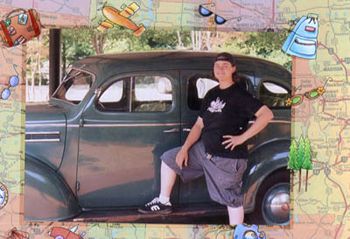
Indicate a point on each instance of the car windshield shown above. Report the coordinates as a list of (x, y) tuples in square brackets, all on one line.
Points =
[(74, 87)]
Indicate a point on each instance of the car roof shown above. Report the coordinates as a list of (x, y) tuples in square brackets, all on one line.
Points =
[(111, 64), (158, 56)]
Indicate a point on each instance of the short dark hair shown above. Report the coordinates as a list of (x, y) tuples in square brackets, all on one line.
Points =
[(224, 56)]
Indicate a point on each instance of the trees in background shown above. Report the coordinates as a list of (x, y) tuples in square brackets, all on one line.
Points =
[(78, 43), (82, 42)]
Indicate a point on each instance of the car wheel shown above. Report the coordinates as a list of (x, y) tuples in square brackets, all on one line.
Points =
[(273, 201)]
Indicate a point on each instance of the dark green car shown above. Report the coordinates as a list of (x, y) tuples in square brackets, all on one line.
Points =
[(93, 152)]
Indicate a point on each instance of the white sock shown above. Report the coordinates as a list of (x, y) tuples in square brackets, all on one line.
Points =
[(164, 200)]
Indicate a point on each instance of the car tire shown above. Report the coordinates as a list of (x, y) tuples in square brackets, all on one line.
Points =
[(273, 200)]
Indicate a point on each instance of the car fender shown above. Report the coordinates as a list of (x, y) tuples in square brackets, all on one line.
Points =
[(47, 196), (265, 160)]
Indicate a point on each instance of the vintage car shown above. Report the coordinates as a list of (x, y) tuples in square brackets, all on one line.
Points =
[(92, 152)]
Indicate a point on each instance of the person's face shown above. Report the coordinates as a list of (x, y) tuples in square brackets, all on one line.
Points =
[(223, 70)]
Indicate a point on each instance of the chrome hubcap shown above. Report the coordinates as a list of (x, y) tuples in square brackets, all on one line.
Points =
[(276, 204)]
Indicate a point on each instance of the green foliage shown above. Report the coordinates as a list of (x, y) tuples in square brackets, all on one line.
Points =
[(82, 42), (293, 155), (300, 153), (261, 44), (76, 44), (307, 164), (265, 44)]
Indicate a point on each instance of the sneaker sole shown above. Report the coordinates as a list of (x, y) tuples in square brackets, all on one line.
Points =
[(162, 212)]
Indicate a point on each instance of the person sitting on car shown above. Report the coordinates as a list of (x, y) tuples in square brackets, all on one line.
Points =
[(216, 145)]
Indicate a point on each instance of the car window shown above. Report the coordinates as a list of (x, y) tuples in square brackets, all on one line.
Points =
[(203, 85), (198, 86), (273, 95), (145, 93), (152, 94), (114, 93), (74, 87)]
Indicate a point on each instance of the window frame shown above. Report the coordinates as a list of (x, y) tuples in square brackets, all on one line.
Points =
[(66, 78), (269, 80), (105, 85)]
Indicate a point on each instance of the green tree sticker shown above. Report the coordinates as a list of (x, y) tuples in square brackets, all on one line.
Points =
[(293, 150), (307, 164), (300, 157)]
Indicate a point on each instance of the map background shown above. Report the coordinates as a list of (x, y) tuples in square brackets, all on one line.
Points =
[(321, 212)]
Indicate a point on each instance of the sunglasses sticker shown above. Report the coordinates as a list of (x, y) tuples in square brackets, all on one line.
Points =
[(3, 195), (205, 12), (13, 82), (311, 95)]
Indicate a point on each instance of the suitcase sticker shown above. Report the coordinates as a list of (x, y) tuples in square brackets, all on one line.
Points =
[(19, 26)]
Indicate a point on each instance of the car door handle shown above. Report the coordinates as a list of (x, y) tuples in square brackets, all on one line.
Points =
[(173, 130), (186, 129), (81, 122)]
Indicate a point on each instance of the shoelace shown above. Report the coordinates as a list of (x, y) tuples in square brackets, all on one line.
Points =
[(154, 201)]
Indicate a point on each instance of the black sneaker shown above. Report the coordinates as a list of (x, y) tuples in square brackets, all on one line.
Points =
[(156, 207)]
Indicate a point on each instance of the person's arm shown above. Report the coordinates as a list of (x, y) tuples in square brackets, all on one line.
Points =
[(263, 117), (193, 136)]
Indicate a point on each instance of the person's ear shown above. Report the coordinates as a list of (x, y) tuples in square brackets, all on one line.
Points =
[(233, 68)]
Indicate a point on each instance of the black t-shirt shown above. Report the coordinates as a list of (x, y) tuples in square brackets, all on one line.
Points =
[(226, 112)]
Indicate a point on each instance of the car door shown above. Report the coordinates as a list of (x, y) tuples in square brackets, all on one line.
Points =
[(197, 84), (124, 130)]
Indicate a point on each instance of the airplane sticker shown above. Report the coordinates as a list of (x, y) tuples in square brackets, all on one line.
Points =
[(122, 18)]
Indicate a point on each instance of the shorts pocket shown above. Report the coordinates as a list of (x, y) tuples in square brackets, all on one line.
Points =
[(241, 165)]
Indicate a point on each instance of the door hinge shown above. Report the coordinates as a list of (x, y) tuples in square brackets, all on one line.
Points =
[(77, 186)]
